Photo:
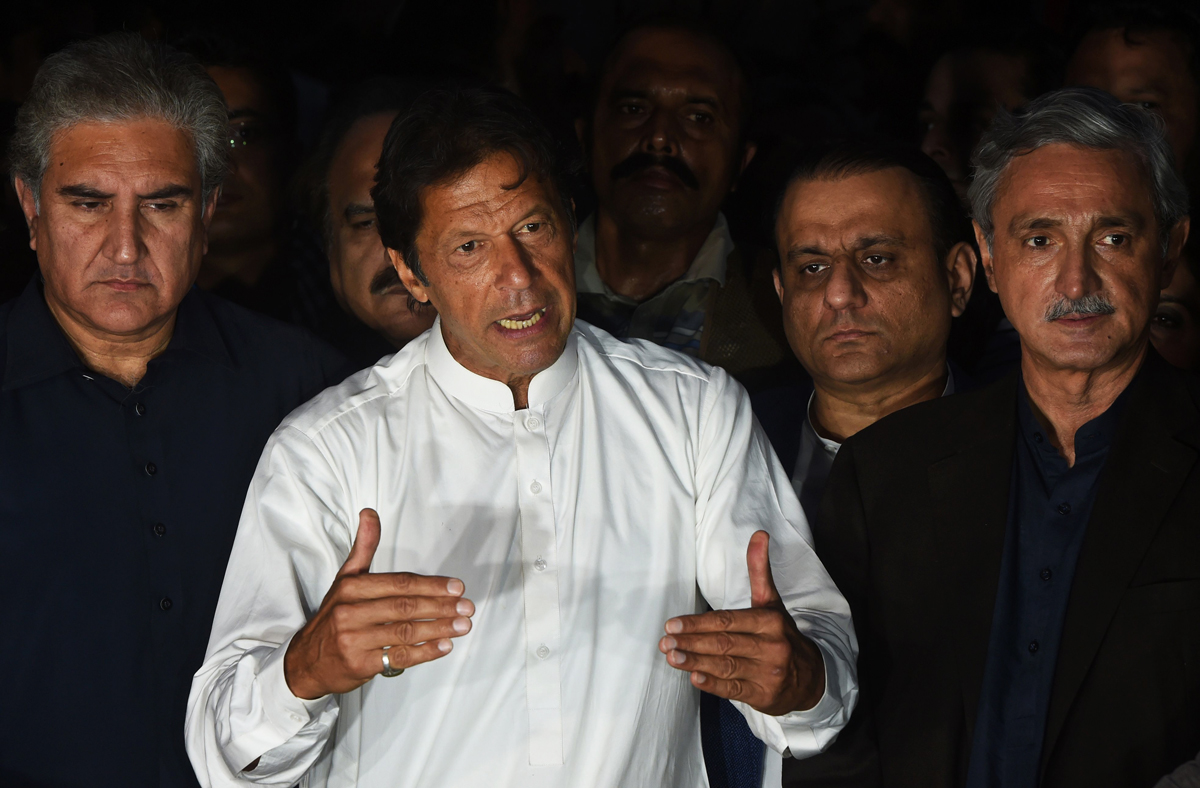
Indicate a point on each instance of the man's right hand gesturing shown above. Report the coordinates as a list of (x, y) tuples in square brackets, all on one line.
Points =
[(342, 647)]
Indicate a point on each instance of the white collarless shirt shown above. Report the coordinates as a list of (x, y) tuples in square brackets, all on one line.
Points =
[(624, 495)]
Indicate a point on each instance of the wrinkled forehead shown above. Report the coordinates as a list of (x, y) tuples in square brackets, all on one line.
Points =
[(664, 60), (136, 151), (844, 211), (1071, 184), (489, 198)]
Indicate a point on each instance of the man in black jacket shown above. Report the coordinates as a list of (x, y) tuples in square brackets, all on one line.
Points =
[(1023, 562)]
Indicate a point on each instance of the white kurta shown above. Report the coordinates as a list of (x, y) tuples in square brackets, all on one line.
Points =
[(624, 495)]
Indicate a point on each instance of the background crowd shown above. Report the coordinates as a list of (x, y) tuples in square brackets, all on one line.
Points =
[(783, 190), (927, 73)]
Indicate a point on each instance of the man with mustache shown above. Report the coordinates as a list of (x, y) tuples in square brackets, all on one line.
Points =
[(666, 141), (133, 410), (377, 315), (1023, 561), (453, 570)]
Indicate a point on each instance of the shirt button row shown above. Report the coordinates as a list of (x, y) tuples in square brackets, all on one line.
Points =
[(543, 651), (532, 423), (535, 488)]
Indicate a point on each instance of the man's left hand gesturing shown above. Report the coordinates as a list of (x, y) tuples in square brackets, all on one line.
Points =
[(755, 655)]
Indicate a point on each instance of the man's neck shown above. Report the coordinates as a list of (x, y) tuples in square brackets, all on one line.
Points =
[(640, 267), (1065, 400), (838, 411), (122, 358), (244, 265)]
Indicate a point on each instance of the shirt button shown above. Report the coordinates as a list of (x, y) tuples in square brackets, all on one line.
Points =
[(165, 603), (535, 488), (159, 529), (139, 409), (542, 651), (1046, 574), (540, 565), (532, 423), (1033, 647), (151, 469), (1064, 508), (1037, 437)]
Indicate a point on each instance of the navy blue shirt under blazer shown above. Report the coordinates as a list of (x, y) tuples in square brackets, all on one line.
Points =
[(1048, 511), (118, 508)]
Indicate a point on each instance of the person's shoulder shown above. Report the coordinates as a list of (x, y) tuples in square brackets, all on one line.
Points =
[(640, 357), (363, 396), (253, 331), (938, 427)]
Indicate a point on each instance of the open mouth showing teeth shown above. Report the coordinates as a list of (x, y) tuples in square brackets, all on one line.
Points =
[(515, 325)]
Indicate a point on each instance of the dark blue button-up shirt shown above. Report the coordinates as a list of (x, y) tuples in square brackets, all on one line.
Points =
[(117, 511), (1049, 506)]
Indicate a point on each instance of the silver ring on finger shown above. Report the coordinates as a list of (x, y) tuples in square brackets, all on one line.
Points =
[(388, 671)]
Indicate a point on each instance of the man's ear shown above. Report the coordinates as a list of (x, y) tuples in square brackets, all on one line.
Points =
[(1178, 239), (747, 157), (960, 271), (210, 207), (407, 278), (29, 207), (777, 277), (985, 256)]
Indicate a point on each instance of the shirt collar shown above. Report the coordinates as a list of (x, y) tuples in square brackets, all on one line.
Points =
[(810, 435), (492, 395), (38, 349), (711, 261)]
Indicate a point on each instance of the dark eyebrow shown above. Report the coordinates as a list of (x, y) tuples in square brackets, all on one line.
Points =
[(867, 241), (1133, 221), (356, 209), (800, 251), (167, 192), (84, 192), (1021, 223), (707, 101)]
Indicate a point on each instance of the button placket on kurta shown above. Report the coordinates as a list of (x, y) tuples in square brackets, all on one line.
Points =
[(539, 557)]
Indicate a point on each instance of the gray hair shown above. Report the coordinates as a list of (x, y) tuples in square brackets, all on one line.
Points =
[(1088, 118), (116, 78)]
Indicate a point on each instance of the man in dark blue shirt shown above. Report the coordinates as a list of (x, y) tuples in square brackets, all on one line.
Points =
[(133, 409), (1023, 562)]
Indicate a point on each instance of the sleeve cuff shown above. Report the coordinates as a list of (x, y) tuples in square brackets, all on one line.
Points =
[(283, 715)]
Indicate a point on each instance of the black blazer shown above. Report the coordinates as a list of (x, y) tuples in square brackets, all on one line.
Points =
[(913, 530)]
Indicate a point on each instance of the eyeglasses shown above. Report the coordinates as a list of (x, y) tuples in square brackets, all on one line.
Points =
[(245, 133)]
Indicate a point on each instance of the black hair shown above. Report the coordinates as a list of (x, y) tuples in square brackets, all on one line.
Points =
[(445, 133), (373, 97), (1045, 62), (947, 217), (1132, 18), (214, 49)]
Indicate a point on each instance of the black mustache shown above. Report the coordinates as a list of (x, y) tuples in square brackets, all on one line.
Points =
[(641, 161), (386, 278)]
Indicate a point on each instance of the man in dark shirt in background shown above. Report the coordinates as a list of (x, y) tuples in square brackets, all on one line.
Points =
[(133, 409), (1023, 562)]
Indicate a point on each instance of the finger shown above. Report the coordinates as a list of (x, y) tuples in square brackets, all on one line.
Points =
[(408, 633), (406, 656), (751, 620), (715, 643), (377, 585), (732, 689), (366, 541), (758, 561), (372, 612), (722, 667)]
